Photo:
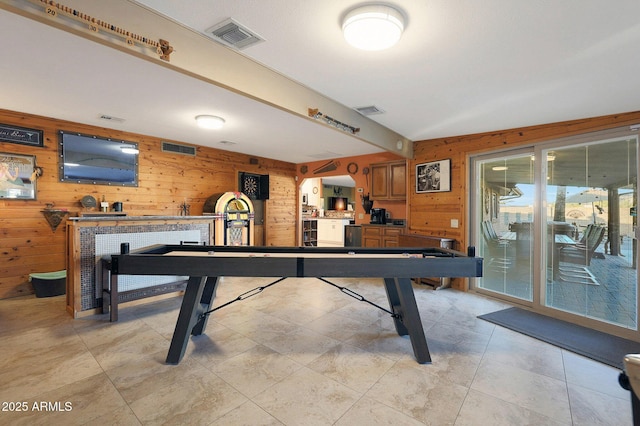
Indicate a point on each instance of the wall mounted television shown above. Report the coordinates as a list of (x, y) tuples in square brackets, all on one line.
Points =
[(96, 160), (338, 203)]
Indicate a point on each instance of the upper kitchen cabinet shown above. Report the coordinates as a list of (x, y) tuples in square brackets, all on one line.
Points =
[(389, 181)]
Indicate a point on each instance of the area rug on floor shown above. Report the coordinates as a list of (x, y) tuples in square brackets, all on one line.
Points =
[(599, 346)]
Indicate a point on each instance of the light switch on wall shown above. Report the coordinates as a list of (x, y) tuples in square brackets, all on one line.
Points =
[(454, 223), (360, 216)]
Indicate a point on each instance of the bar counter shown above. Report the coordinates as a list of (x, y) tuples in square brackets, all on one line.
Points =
[(90, 237)]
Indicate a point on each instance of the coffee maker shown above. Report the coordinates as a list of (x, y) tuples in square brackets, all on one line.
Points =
[(379, 216)]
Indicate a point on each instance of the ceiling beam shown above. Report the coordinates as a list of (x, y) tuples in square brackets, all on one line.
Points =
[(200, 57)]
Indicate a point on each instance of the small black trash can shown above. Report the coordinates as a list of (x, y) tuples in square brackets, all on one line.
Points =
[(48, 284)]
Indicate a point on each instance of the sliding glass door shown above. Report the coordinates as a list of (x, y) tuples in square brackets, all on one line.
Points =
[(590, 241), (556, 225), (506, 212)]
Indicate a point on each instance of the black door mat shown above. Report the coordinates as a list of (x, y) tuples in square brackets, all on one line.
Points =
[(599, 346)]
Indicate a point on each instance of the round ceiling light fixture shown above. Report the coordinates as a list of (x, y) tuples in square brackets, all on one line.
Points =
[(210, 121), (373, 27)]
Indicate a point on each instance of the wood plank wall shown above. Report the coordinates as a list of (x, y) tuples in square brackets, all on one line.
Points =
[(27, 243), (431, 213)]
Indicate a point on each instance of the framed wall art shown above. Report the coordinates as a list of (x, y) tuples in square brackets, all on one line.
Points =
[(21, 135), (434, 176), (17, 176)]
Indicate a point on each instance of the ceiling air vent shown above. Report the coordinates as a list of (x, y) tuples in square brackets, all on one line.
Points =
[(369, 110), (179, 149), (111, 118), (232, 34)]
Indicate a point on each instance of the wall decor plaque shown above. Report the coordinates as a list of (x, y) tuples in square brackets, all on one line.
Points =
[(21, 135)]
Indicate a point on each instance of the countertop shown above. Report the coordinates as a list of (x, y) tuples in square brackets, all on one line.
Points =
[(135, 218), (325, 217)]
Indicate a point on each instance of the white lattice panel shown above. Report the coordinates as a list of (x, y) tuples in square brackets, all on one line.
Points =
[(110, 244)]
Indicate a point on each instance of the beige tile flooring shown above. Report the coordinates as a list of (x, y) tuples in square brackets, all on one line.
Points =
[(300, 353)]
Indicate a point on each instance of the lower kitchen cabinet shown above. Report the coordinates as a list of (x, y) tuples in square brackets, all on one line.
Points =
[(381, 235), (331, 232)]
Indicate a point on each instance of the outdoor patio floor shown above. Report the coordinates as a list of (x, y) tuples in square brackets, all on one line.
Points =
[(611, 297)]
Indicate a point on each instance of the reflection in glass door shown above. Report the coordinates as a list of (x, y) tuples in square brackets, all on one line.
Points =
[(505, 206), (590, 240)]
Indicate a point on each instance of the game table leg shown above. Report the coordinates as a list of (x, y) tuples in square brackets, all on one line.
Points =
[(402, 301), (208, 295), (197, 299)]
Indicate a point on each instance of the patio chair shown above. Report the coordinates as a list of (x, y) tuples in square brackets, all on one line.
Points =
[(582, 254), (490, 232), (498, 255), (585, 235)]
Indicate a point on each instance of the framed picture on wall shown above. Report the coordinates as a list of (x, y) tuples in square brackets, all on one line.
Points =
[(434, 176), (17, 176)]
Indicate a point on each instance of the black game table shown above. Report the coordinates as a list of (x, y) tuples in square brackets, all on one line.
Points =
[(204, 265)]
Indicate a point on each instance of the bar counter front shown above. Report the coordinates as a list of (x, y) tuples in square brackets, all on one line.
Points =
[(204, 265), (89, 238)]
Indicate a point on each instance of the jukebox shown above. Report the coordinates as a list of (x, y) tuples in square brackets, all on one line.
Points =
[(233, 218)]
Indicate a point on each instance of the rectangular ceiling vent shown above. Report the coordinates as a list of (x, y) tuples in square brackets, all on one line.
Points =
[(178, 149), (325, 155), (111, 118), (232, 34), (369, 110)]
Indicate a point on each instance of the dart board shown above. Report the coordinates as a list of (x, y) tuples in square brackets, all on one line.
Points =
[(250, 186), (254, 186)]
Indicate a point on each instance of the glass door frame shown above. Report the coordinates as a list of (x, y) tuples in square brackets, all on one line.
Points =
[(539, 223), (476, 213)]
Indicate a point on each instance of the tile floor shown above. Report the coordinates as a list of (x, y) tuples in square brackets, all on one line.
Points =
[(300, 353)]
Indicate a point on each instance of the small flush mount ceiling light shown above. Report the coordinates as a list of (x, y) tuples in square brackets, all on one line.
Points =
[(373, 27), (210, 121)]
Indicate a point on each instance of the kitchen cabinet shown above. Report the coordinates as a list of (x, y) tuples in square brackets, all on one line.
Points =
[(381, 235), (331, 232), (389, 181)]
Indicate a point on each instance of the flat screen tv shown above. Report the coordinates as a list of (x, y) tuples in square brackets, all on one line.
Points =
[(338, 203), (98, 161)]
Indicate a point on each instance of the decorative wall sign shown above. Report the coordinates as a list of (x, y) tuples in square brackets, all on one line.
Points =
[(17, 176), (54, 9), (21, 135), (352, 168), (314, 113), (329, 166), (433, 177)]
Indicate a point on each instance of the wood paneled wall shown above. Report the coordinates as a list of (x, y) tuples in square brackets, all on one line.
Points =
[(27, 243), (431, 213)]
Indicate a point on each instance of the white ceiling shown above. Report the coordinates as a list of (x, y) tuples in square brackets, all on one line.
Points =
[(461, 67)]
